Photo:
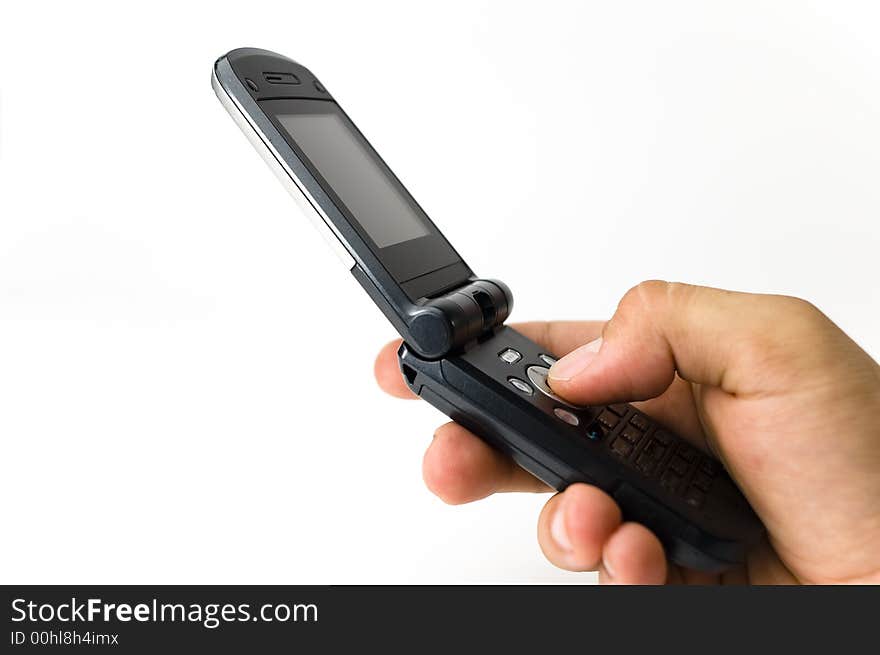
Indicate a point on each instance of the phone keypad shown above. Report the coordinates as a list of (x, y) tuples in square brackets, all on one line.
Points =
[(679, 467), (657, 454)]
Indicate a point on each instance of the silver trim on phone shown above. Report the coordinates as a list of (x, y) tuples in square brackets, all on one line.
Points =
[(261, 133)]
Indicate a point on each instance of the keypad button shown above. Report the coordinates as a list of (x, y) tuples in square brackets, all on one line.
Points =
[(687, 453), (619, 409), (645, 464), (679, 465), (596, 432), (640, 422), (548, 360), (702, 480), (621, 447), (663, 437), (709, 466), (655, 450), (694, 497), (670, 480), (567, 416), (608, 419), (632, 435), (521, 385), (510, 356)]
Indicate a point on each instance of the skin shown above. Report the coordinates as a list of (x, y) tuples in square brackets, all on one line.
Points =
[(767, 384)]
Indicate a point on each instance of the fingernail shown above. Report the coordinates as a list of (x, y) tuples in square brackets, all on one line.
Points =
[(558, 531), (607, 566), (575, 361)]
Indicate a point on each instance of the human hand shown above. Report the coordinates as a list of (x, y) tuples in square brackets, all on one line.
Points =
[(767, 384)]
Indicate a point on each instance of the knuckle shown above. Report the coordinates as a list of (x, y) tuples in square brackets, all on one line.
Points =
[(647, 293), (651, 298), (801, 312), (652, 294), (790, 321), (638, 299), (782, 337)]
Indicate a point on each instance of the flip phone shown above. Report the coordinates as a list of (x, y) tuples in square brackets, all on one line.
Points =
[(457, 353)]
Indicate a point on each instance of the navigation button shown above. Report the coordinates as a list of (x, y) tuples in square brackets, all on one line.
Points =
[(521, 385), (510, 356), (567, 416), (538, 377)]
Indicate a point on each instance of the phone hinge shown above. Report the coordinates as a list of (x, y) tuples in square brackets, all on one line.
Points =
[(471, 311)]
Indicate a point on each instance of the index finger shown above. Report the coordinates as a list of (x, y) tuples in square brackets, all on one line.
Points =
[(557, 337)]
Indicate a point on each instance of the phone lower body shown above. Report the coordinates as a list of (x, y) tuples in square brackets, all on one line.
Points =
[(497, 389)]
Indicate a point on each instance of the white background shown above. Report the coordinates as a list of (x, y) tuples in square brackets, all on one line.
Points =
[(186, 390)]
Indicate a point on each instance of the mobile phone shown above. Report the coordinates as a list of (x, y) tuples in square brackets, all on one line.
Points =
[(457, 353)]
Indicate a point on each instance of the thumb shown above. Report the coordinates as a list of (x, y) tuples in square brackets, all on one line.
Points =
[(707, 336)]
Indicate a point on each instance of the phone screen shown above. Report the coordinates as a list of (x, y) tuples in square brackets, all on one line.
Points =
[(358, 176)]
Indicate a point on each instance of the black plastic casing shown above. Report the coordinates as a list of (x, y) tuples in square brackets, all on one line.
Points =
[(452, 325)]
